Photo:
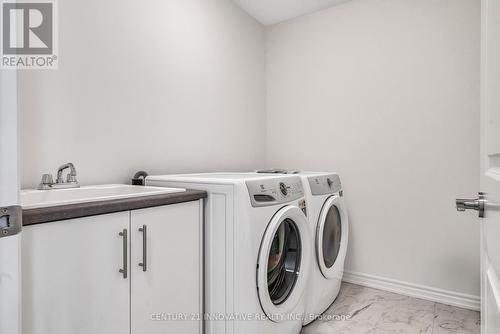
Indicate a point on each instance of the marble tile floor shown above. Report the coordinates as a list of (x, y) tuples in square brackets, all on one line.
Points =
[(379, 312)]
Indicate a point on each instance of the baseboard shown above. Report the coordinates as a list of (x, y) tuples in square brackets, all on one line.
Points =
[(462, 300)]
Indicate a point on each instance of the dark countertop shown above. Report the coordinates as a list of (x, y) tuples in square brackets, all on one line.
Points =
[(71, 211)]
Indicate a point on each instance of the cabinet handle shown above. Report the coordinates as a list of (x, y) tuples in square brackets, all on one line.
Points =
[(124, 235), (144, 264)]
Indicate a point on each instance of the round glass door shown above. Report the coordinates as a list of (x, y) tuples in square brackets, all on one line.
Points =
[(332, 235), (331, 238), (284, 262)]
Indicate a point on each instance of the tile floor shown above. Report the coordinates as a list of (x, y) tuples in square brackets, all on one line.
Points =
[(380, 312)]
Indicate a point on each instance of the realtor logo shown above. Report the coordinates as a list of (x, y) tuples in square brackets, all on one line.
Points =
[(29, 34)]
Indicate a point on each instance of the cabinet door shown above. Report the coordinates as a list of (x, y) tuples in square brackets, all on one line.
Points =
[(71, 279), (169, 288)]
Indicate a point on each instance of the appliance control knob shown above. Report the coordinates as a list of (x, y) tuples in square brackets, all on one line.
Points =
[(283, 189)]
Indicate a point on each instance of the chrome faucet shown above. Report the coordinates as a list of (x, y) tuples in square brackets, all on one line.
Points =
[(47, 182)]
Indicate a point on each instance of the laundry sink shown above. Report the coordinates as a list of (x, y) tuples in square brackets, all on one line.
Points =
[(31, 199)]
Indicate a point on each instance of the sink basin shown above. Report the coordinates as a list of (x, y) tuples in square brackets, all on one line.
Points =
[(31, 199)]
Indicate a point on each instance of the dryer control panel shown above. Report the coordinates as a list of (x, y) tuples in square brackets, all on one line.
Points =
[(325, 184), (273, 191)]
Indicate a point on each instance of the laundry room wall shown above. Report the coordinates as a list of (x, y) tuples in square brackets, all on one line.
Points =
[(386, 92), (165, 86)]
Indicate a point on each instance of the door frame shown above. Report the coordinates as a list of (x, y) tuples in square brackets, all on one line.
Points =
[(489, 174), (10, 246)]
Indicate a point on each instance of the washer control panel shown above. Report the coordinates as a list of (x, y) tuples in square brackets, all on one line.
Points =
[(272, 191), (325, 184)]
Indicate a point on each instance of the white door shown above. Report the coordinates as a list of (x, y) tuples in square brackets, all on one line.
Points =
[(72, 282), (490, 166), (167, 269), (10, 222)]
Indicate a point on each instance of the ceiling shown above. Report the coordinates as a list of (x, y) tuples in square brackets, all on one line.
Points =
[(269, 12)]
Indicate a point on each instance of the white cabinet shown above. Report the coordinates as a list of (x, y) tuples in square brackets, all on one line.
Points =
[(72, 281), (170, 285)]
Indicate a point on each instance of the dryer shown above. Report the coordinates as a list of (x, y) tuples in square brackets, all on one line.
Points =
[(329, 225), (330, 229), (258, 251)]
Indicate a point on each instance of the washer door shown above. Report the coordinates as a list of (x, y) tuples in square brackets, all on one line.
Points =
[(283, 264), (331, 236)]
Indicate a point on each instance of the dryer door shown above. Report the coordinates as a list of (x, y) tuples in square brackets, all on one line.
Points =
[(284, 263), (331, 237)]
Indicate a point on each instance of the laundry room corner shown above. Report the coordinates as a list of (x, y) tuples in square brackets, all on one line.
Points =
[(394, 112)]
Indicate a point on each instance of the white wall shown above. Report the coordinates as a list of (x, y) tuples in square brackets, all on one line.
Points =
[(164, 86), (386, 92)]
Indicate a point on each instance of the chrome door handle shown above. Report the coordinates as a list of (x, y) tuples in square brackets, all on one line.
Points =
[(124, 270), (477, 204), (144, 263)]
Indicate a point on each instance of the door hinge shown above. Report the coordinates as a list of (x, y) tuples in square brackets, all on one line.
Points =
[(11, 220)]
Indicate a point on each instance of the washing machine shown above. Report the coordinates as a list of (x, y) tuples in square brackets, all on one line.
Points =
[(258, 251), (327, 214)]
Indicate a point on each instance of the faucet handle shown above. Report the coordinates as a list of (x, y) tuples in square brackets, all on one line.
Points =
[(71, 178), (47, 179), (46, 183)]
